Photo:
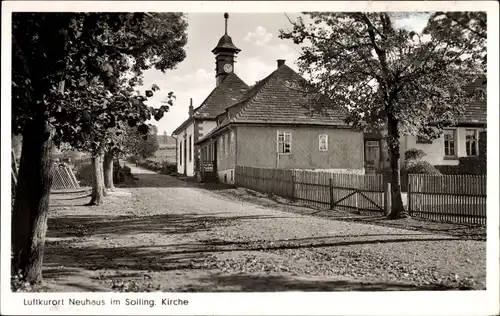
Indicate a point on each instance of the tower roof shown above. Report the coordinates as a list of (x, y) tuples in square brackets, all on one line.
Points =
[(225, 42)]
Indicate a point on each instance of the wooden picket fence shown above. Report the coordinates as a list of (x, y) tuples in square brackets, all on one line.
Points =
[(323, 190), (271, 181), (451, 198), (63, 178)]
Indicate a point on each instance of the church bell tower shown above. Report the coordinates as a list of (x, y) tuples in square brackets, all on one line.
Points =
[(225, 54)]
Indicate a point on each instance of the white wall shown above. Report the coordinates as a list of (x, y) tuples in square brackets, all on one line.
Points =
[(184, 134), (435, 150), (206, 127), (189, 130)]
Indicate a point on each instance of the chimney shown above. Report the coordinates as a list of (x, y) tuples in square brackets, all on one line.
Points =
[(281, 62), (191, 110)]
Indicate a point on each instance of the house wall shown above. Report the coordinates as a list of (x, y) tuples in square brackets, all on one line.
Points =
[(185, 134), (226, 156), (204, 127), (201, 128), (435, 150), (257, 147)]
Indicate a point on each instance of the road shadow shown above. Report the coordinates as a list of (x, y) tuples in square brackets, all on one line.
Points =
[(88, 225), (463, 230), (267, 283), (61, 260), (156, 180), (289, 244)]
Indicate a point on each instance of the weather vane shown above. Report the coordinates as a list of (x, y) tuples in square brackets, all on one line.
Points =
[(226, 16)]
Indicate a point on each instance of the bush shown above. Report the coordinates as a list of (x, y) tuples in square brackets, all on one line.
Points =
[(164, 167), (84, 173), (420, 167), (416, 167), (134, 158), (466, 166), (473, 165), (169, 168), (414, 154)]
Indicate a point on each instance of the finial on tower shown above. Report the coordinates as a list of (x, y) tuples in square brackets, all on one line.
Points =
[(226, 16)]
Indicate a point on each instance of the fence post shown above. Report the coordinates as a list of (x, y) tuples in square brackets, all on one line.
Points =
[(293, 185), (387, 197), (332, 202), (356, 195), (409, 194)]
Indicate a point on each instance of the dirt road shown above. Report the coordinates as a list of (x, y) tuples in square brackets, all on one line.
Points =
[(166, 234)]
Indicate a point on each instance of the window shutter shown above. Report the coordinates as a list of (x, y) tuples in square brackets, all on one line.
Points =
[(323, 142)]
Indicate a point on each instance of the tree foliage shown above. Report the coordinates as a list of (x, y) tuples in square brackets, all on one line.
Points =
[(136, 143), (471, 25), (92, 69), (74, 81), (386, 78)]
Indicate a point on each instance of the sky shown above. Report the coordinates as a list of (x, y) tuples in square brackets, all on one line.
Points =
[(256, 34)]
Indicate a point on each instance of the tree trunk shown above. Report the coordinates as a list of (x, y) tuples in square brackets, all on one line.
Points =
[(384, 151), (101, 174), (97, 181), (397, 207), (108, 172), (29, 215)]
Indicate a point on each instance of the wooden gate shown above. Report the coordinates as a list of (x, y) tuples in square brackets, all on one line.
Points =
[(364, 199), (361, 192)]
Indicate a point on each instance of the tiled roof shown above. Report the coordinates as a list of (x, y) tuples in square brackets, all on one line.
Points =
[(227, 93), (182, 126), (475, 112), (278, 99)]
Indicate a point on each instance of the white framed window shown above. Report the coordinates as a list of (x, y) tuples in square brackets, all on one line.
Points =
[(180, 153), (450, 143), (323, 142), (284, 142), (232, 144), (190, 148), (471, 142), (220, 149), (226, 146)]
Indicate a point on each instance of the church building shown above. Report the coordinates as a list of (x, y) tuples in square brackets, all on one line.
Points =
[(266, 126)]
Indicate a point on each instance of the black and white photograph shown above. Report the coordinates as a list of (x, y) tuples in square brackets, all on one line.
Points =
[(165, 156)]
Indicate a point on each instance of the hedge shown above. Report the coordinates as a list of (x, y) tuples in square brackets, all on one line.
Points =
[(160, 167), (466, 165)]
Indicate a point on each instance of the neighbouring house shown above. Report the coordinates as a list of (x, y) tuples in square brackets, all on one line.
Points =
[(270, 127), (461, 140), (202, 119)]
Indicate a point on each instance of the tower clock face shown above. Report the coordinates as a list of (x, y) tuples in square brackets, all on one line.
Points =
[(228, 68)]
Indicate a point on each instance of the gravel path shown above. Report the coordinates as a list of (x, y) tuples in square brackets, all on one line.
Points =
[(162, 233)]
